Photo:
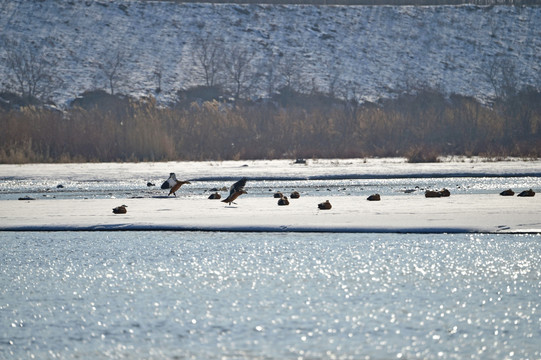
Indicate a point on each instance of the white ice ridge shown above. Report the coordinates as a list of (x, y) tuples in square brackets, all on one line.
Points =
[(462, 213)]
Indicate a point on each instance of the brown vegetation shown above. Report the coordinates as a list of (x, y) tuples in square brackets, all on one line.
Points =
[(103, 127)]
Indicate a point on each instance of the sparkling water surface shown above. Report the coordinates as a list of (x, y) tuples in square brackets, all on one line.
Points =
[(190, 295)]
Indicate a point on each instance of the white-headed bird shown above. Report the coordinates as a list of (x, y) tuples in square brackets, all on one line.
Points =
[(173, 184)]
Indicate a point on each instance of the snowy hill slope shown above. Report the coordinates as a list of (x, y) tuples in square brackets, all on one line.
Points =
[(375, 49)]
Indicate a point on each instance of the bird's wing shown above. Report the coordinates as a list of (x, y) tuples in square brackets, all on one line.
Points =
[(238, 186), (169, 183), (166, 184)]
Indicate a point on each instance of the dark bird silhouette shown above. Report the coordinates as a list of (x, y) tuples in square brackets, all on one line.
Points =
[(120, 209), (325, 205), (432, 193), (26, 198), (527, 193), (215, 196), (507, 192), (236, 190), (283, 201), (441, 193), (295, 195), (374, 197)]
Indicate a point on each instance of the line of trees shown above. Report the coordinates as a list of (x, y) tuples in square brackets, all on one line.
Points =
[(420, 126), (31, 69), (236, 70)]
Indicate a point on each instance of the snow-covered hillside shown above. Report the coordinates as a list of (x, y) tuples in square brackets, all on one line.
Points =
[(375, 49)]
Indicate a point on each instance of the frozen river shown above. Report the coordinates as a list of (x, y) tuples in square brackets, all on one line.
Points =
[(358, 289), (350, 177), (81, 196)]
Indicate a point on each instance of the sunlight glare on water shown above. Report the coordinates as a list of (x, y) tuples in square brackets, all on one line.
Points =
[(11, 189), (166, 295)]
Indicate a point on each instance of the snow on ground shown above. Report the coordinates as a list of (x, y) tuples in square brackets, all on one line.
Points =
[(394, 213), (375, 50), (370, 168), (458, 213)]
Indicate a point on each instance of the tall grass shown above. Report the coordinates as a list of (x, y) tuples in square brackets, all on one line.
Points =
[(421, 127)]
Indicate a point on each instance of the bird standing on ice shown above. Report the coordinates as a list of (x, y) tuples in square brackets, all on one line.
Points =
[(236, 190), (173, 184)]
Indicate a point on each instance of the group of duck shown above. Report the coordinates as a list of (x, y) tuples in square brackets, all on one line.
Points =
[(525, 193), (173, 184), (237, 189)]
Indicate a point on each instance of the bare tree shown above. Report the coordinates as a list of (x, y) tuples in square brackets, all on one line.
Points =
[(290, 69), (31, 72), (352, 99), (238, 65), (158, 74), (502, 75), (209, 56), (112, 67), (334, 80), (271, 75)]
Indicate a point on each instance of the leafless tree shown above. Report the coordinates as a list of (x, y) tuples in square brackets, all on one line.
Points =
[(270, 71), (502, 75), (31, 72), (208, 55), (290, 69), (158, 74), (238, 66), (112, 67), (352, 99), (334, 80)]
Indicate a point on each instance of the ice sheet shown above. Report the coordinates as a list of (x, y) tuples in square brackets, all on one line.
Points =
[(191, 210), (415, 214)]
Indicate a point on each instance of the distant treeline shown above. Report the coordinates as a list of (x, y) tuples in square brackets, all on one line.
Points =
[(371, 2), (201, 126)]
